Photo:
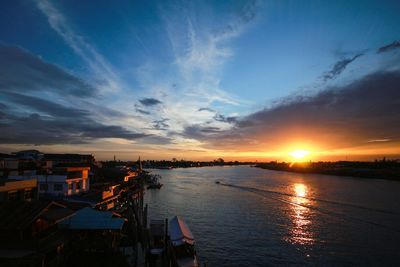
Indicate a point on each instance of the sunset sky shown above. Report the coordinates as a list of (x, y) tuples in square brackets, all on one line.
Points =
[(245, 80)]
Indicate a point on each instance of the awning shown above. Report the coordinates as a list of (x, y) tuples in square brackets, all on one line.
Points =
[(91, 219)]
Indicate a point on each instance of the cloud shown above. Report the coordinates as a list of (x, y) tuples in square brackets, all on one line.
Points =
[(80, 46), (157, 140), (141, 111), (389, 47), (248, 12), (42, 130), (379, 140), (209, 129), (189, 80), (199, 51), (62, 114), (20, 71), (148, 102), (347, 116), (244, 15), (200, 132), (222, 118), (45, 106), (339, 67), (219, 117), (160, 124), (206, 109), (43, 122)]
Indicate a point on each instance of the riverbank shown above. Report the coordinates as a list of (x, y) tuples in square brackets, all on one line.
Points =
[(388, 170)]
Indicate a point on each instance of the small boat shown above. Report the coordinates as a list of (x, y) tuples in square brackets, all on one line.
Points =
[(156, 251), (182, 244)]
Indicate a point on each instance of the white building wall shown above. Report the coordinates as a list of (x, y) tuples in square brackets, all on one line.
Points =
[(58, 185)]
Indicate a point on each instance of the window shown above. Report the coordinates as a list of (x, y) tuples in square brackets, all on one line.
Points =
[(58, 187), (12, 195), (28, 194), (44, 187), (70, 186)]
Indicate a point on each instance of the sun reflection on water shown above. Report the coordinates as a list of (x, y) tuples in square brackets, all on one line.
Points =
[(300, 232), (300, 190)]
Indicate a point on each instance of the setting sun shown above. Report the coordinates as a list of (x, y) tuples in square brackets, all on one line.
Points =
[(299, 154)]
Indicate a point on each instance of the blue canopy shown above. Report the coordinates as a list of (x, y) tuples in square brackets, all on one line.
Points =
[(179, 232), (91, 219)]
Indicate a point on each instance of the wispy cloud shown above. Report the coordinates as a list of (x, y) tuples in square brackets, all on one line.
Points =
[(246, 14), (378, 140), (200, 132), (80, 46), (389, 47), (339, 67), (161, 124), (201, 52), (189, 86), (110, 82), (141, 111), (206, 109), (222, 118)]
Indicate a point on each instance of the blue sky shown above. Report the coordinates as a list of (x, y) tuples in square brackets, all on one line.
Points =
[(177, 77)]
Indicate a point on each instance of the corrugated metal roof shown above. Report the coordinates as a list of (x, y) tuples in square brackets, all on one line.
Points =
[(91, 219)]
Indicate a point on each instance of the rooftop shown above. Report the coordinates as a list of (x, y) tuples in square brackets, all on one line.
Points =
[(18, 215)]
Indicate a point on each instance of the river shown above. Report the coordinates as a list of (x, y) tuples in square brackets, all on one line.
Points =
[(259, 217)]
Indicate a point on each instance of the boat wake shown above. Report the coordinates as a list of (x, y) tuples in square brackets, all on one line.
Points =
[(279, 195)]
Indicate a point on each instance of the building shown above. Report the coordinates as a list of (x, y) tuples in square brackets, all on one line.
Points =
[(29, 235), (11, 190), (70, 159), (63, 181), (29, 155), (102, 196), (8, 163), (131, 175), (101, 229)]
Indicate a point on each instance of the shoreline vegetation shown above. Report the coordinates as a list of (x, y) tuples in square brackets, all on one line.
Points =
[(378, 169), (171, 164)]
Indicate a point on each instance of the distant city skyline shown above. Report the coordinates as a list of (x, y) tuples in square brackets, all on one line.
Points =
[(199, 80)]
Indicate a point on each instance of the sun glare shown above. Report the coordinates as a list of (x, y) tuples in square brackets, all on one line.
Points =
[(299, 154)]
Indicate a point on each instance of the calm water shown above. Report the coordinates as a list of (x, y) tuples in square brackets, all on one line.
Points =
[(268, 218)]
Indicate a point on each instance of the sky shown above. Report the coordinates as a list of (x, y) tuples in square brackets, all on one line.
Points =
[(199, 80)]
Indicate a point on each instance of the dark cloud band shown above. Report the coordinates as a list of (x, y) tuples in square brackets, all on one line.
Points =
[(352, 115), (22, 72)]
